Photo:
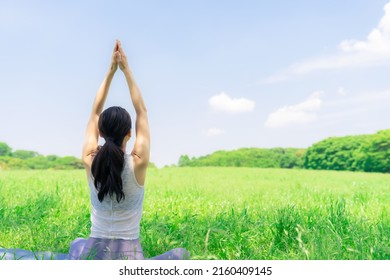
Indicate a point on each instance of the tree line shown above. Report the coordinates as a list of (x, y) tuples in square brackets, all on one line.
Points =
[(250, 157), (369, 153), (24, 159)]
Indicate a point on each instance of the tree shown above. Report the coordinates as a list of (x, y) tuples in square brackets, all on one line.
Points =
[(24, 154), (11, 163), (377, 153), (370, 152), (249, 157), (39, 162), (184, 161), (52, 157), (24, 159), (68, 162), (5, 150)]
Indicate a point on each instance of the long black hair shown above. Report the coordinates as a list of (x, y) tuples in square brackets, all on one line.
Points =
[(107, 166)]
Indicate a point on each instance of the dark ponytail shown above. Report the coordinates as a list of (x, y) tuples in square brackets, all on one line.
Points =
[(107, 166)]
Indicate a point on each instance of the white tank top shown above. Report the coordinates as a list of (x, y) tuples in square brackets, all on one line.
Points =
[(114, 220)]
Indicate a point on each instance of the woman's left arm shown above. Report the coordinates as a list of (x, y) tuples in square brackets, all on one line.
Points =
[(92, 133), (141, 150)]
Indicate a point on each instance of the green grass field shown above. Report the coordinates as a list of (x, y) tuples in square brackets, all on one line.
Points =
[(215, 213)]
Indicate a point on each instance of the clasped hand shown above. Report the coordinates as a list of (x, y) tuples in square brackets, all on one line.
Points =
[(119, 58)]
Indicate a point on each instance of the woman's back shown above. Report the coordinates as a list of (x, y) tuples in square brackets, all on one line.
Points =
[(113, 219)]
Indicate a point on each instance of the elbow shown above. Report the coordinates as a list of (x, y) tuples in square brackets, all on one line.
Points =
[(142, 110)]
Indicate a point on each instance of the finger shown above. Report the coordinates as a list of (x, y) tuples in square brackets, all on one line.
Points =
[(116, 46), (120, 46), (117, 56)]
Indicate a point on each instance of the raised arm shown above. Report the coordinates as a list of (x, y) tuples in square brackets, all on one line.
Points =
[(141, 150), (92, 132)]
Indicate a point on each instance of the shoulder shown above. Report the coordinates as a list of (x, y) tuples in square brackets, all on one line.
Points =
[(138, 168), (89, 157)]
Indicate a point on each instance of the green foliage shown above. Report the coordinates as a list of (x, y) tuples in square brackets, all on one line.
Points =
[(249, 157), (52, 157), (5, 150), (39, 162), (24, 154), (377, 153), (151, 165), (68, 162), (369, 152), (7, 162), (24, 159), (184, 160)]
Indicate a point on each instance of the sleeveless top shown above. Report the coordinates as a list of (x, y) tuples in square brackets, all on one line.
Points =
[(118, 220)]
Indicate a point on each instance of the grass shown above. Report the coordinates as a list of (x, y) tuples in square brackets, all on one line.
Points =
[(215, 213)]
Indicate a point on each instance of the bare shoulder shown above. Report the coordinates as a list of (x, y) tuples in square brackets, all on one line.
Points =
[(88, 158), (140, 166)]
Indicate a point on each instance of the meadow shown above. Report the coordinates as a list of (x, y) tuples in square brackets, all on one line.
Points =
[(214, 212)]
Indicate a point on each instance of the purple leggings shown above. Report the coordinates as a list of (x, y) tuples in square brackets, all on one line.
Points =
[(117, 249), (95, 249)]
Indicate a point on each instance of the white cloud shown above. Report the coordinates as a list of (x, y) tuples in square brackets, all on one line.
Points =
[(302, 113), (378, 41), (214, 132), (375, 50), (223, 102), (342, 91)]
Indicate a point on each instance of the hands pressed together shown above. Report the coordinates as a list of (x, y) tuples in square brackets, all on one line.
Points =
[(119, 58)]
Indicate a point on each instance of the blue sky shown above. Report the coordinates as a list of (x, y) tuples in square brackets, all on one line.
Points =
[(214, 74)]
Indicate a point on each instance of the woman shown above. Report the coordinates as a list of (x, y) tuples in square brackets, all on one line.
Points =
[(116, 179)]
